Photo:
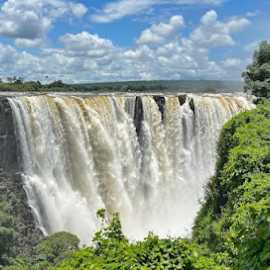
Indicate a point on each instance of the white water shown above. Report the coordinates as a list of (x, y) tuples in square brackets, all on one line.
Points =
[(83, 154)]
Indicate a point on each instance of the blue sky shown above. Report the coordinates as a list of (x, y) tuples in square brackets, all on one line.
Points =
[(110, 40)]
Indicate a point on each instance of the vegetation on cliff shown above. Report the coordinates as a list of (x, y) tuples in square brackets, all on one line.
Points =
[(235, 219), (19, 85), (257, 75), (112, 250)]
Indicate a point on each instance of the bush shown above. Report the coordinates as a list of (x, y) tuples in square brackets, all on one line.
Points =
[(113, 251), (56, 247)]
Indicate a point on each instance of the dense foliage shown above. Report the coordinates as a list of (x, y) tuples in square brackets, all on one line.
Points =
[(235, 219), (49, 252), (111, 250), (257, 75), (18, 85)]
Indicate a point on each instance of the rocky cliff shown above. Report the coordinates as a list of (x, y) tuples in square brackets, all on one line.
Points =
[(11, 185)]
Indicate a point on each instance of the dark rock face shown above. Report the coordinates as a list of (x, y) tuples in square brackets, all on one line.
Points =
[(11, 185), (12, 192), (182, 99), (138, 115), (192, 105), (9, 156), (161, 101)]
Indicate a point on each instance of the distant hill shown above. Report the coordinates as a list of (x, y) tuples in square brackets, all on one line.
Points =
[(170, 86), (195, 86)]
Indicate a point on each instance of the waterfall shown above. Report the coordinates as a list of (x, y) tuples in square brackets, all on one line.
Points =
[(146, 157)]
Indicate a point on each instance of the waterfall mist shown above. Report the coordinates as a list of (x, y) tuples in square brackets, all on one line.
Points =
[(146, 157)]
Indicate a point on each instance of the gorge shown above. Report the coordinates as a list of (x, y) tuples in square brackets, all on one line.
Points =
[(146, 157)]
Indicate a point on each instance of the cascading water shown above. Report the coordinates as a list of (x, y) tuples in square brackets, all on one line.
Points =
[(81, 154)]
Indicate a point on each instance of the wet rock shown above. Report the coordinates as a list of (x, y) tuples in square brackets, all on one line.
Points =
[(11, 184), (138, 115), (182, 99), (161, 101)]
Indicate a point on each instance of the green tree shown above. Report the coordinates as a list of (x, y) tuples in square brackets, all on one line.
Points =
[(257, 75), (56, 247), (56, 84), (49, 253)]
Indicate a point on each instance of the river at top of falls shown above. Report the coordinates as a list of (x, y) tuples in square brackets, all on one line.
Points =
[(81, 154)]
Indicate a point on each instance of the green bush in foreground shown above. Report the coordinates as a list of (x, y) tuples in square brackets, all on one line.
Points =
[(113, 251)]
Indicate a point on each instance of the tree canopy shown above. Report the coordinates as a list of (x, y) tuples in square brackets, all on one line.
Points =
[(257, 75)]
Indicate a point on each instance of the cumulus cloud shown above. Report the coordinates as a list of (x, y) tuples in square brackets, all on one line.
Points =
[(15, 63), (28, 43), (158, 33), (86, 44), (78, 9), (28, 21), (214, 33), (252, 14), (232, 62), (251, 47), (121, 8), (161, 52)]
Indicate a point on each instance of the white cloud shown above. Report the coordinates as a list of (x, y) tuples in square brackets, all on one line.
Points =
[(121, 8), (214, 33), (209, 18), (28, 43), (251, 47), (232, 62), (28, 21), (158, 33), (161, 52), (86, 44), (78, 9), (252, 14), (236, 25), (8, 55), (14, 63)]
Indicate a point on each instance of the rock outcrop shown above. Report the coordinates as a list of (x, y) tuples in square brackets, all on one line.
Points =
[(11, 184)]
